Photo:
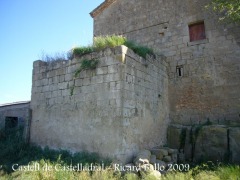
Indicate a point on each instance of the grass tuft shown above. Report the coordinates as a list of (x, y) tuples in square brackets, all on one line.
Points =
[(102, 42), (86, 64), (139, 50), (80, 51)]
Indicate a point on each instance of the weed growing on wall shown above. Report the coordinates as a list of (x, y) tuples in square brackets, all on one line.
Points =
[(80, 51), (59, 56), (102, 42), (139, 50), (86, 64)]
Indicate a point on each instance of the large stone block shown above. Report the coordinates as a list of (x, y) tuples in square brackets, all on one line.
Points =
[(173, 137), (234, 142), (211, 143)]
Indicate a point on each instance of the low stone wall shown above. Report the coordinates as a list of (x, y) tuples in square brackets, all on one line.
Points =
[(115, 110), (206, 142)]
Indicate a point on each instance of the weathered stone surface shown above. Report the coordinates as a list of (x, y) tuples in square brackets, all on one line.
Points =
[(153, 159), (188, 145), (211, 143), (234, 143), (210, 67), (174, 158), (159, 152), (116, 103), (174, 134), (167, 158), (172, 151)]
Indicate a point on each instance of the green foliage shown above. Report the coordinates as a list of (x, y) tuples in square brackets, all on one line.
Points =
[(207, 170), (228, 172), (80, 51), (102, 42), (86, 64), (229, 10), (15, 151), (139, 50)]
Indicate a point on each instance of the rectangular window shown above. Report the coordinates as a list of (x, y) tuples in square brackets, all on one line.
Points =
[(11, 122), (197, 31), (179, 70)]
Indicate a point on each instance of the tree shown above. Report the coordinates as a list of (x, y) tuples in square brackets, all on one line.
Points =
[(229, 10)]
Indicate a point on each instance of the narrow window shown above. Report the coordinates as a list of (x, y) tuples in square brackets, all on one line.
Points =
[(179, 71), (197, 31), (11, 122)]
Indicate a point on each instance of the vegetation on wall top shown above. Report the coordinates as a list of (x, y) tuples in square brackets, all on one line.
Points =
[(102, 42), (99, 43)]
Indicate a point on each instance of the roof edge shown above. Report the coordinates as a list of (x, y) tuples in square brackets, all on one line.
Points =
[(15, 103), (101, 8)]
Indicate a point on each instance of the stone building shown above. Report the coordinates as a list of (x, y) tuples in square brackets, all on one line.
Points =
[(203, 59), (127, 103), (203, 54), (15, 115)]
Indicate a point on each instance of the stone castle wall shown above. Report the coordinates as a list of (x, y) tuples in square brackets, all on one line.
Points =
[(115, 110), (209, 87)]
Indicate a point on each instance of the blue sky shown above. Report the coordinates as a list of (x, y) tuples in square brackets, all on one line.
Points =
[(30, 27)]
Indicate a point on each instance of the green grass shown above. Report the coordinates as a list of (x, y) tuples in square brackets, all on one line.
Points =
[(102, 42), (15, 151), (80, 51), (139, 50), (99, 43)]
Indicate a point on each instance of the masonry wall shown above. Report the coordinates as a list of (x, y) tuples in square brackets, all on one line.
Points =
[(210, 85), (115, 110)]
